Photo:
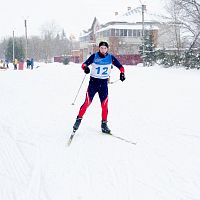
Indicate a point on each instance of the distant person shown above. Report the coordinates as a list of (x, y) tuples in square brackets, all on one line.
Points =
[(1, 64), (32, 63), (28, 63), (7, 63), (101, 62), (15, 62)]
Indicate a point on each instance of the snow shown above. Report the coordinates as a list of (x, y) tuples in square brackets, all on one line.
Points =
[(128, 26), (135, 15), (156, 107)]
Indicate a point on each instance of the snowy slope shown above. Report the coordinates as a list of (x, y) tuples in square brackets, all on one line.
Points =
[(156, 107)]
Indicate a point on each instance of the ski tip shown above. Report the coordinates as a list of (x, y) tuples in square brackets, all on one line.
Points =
[(69, 142)]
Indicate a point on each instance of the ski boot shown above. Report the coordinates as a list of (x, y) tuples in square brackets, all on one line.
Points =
[(104, 127), (77, 123)]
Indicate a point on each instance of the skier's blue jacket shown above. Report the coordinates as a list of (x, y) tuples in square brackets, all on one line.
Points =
[(100, 72), (101, 65)]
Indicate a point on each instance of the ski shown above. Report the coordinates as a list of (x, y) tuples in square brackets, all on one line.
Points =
[(121, 138), (110, 134), (71, 137)]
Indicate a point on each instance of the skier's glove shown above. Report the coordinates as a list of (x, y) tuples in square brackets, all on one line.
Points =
[(87, 70), (122, 77)]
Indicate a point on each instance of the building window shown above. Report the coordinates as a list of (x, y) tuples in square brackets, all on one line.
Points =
[(125, 32), (101, 34), (117, 32), (112, 32), (130, 33), (107, 33), (121, 32), (139, 33), (134, 33)]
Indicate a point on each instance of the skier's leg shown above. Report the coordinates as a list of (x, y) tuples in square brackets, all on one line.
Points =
[(82, 111), (104, 106), (91, 91), (103, 95), (104, 126), (85, 105)]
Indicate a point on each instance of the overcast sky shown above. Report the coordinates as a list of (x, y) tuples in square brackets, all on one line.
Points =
[(72, 16)]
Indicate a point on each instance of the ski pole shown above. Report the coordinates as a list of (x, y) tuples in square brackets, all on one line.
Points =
[(112, 82), (79, 90)]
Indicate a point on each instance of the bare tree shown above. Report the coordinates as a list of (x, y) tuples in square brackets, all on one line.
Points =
[(52, 42), (35, 48), (174, 9), (187, 13), (49, 32)]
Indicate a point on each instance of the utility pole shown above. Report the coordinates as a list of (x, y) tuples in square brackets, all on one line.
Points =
[(26, 47), (143, 35), (13, 46)]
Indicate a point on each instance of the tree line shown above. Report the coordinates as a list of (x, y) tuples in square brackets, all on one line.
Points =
[(52, 42), (185, 15)]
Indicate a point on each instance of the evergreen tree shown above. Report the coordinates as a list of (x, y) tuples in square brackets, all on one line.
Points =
[(18, 48), (66, 61), (191, 59), (9, 50), (149, 56)]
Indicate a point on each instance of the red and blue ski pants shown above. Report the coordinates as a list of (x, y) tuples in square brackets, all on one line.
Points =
[(99, 86)]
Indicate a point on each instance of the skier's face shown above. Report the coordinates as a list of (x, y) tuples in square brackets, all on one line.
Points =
[(103, 50)]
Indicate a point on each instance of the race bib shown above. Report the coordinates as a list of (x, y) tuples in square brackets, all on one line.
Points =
[(102, 71), (101, 67)]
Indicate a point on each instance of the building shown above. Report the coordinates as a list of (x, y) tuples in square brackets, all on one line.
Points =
[(124, 33), (125, 39)]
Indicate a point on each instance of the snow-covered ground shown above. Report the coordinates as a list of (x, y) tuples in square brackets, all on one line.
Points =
[(156, 107)]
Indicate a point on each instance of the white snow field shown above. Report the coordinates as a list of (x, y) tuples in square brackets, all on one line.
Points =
[(159, 108)]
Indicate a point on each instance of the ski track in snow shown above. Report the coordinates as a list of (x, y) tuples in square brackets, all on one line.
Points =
[(36, 122)]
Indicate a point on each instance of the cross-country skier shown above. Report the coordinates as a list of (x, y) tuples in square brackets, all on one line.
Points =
[(101, 62)]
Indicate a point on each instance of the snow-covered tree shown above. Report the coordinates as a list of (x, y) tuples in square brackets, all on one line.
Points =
[(187, 14), (148, 50)]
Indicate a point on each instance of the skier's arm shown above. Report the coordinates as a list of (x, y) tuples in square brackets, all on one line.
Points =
[(117, 64), (120, 67), (88, 62)]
